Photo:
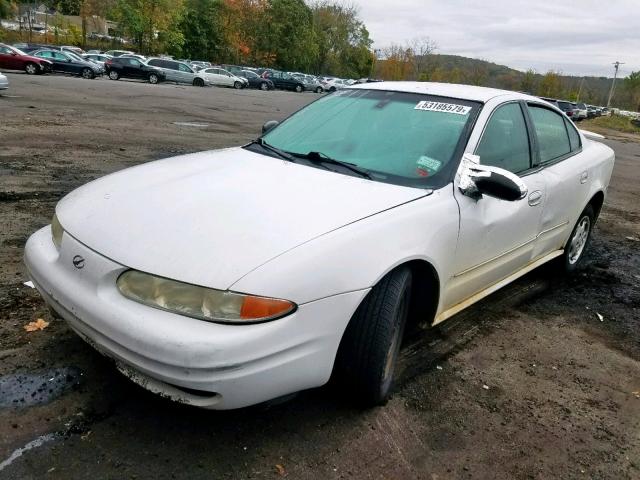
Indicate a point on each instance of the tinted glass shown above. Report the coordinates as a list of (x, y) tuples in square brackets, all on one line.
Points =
[(184, 68), (553, 140), (403, 138), (154, 63), (133, 62), (5, 50), (574, 138), (505, 141)]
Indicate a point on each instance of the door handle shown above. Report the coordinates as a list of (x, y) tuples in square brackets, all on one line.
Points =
[(535, 198), (584, 176)]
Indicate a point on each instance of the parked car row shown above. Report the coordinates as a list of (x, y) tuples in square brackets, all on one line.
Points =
[(578, 111)]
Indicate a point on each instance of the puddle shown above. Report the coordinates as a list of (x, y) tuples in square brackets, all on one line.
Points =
[(21, 390), (191, 124)]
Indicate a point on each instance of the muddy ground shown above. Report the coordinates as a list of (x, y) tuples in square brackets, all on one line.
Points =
[(528, 384)]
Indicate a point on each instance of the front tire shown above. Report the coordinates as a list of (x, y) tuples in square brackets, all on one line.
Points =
[(237, 85), (264, 87), (299, 88), (198, 82), (368, 353), (578, 240), (113, 75), (153, 79), (31, 68), (88, 73), (319, 90)]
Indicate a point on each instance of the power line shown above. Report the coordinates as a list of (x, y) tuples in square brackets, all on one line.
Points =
[(613, 83)]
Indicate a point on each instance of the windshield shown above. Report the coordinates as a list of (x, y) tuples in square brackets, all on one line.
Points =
[(248, 73), (403, 138)]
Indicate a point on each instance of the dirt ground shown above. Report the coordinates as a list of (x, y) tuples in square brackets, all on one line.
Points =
[(528, 384)]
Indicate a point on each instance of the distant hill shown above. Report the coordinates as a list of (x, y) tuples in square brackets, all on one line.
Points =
[(473, 71)]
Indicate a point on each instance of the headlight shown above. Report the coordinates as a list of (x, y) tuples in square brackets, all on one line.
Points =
[(200, 302), (56, 231)]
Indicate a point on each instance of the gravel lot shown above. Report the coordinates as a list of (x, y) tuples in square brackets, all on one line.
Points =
[(527, 384)]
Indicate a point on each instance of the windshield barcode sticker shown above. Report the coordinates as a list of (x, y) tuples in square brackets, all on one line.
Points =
[(442, 107)]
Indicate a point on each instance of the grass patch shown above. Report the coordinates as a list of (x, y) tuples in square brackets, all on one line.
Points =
[(612, 122)]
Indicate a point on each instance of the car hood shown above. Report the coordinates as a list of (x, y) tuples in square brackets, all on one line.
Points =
[(209, 218)]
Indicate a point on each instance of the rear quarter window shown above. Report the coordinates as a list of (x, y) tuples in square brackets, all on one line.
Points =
[(551, 130)]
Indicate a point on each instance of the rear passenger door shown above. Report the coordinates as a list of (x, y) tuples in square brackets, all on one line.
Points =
[(566, 172), (497, 237)]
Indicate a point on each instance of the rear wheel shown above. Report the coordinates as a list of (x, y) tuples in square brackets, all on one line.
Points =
[(319, 90), (87, 73), (332, 89), (578, 240), (299, 88), (264, 86), (31, 68), (113, 75), (368, 353), (153, 78), (237, 85), (198, 82)]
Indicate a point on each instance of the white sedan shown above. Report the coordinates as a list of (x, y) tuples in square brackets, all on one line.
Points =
[(227, 278), (4, 82), (221, 77)]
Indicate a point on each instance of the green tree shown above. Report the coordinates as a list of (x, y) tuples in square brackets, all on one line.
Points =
[(550, 85), (344, 46), (200, 26), (632, 87), (153, 24), (528, 82), (289, 34), (7, 8)]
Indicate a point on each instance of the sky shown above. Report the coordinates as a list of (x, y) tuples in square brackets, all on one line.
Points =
[(575, 37)]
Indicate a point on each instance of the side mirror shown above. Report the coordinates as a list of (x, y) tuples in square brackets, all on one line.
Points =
[(477, 180), (14, 54), (270, 125)]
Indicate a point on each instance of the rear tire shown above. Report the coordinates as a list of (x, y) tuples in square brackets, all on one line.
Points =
[(299, 88), (264, 86), (198, 82), (574, 250), (88, 73), (31, 68), (319, 90), (113, 75), (153, 79), (368, 353)]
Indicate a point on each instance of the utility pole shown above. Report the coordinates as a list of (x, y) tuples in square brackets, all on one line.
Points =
[(580, 89), (613, 83)]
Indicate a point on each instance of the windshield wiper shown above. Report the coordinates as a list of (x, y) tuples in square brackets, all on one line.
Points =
[(319, 157), (276, 150)]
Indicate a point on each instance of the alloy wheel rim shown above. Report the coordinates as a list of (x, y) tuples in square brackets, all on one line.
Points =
[(31, 69), (579, 240)]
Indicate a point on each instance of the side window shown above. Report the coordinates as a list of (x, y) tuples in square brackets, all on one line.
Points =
[(505, 141), (574, 138), (184, 68), (553, 140), (60, 56), (153, 63), (133, 62), (5, 50)]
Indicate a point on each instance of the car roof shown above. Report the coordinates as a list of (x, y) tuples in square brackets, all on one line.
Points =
[(463, 92)]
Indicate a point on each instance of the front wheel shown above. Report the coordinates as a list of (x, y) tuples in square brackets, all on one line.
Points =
[(319, 90), (113, 75), (153, 78), (237, 85), (198, 82), (368, 353), (264, 86), (88, 73), (578, 240), (31, 68), (299, 88)]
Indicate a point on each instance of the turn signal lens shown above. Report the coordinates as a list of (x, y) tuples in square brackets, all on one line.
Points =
[(56, 231), (199, 302)]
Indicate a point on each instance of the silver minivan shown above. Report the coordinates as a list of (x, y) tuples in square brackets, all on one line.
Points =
[(179, 72)]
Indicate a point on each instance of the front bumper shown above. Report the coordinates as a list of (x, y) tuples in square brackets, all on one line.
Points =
[(200, 363)]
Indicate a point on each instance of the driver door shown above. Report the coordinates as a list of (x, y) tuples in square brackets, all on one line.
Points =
[(497, 237)]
